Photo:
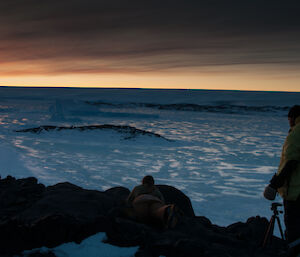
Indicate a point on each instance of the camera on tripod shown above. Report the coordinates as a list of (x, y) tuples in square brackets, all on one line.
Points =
[(274, 218), (274, 207)]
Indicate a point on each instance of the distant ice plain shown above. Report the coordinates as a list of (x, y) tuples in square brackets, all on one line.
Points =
[(222, 160)]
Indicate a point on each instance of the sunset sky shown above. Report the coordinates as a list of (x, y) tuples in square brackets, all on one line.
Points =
[(203, 44)]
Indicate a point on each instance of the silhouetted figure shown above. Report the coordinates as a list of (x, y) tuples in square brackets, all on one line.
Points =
[(147, 188), (148, 205), (287, 181)]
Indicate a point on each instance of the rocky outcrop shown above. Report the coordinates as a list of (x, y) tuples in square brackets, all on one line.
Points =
[(32, 215), (195, 237), (218, 108), (130, 131), (173, 195)]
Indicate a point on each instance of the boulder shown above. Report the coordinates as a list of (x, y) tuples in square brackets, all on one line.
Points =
[(119, 194), (192, 237), (173, 195), (33, 216), (17, 195), (129, 131)]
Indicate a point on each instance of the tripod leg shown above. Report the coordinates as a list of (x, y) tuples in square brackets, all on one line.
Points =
[(280, 228), (269, 233)]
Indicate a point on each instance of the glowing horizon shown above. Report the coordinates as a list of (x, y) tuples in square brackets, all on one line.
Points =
[(180, 80), (225, 45)]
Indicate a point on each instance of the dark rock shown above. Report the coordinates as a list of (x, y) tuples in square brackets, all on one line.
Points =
[(120, 194), (173, 195), (127, 233), (253, 229), (192, 237), (68, 199), (204, 221), (17, 195), (217, 108), (33, 215), (130, 132)]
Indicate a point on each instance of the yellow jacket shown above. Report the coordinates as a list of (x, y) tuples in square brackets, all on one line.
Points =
[(291, 151)]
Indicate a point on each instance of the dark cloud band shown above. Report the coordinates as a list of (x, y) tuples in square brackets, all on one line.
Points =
[(120, 35)]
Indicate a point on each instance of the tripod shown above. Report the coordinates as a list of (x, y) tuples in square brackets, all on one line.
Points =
[(270, 230)]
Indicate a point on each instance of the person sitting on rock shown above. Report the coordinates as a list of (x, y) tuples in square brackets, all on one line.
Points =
[(148, 205)]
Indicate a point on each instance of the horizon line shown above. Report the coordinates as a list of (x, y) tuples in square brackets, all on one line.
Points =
[(148, 88)]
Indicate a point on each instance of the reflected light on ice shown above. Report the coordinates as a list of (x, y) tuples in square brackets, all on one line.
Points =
[(220, 160)]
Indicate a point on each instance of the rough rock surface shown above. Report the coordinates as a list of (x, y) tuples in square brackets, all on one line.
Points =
[(32, 215), (221, 108), (131, 132), (173, 195)]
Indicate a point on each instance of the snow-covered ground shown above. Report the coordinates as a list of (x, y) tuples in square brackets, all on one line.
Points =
[(223, 146), (90, 247)]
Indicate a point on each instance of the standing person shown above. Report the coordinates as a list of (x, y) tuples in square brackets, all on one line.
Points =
[(287, 181)]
